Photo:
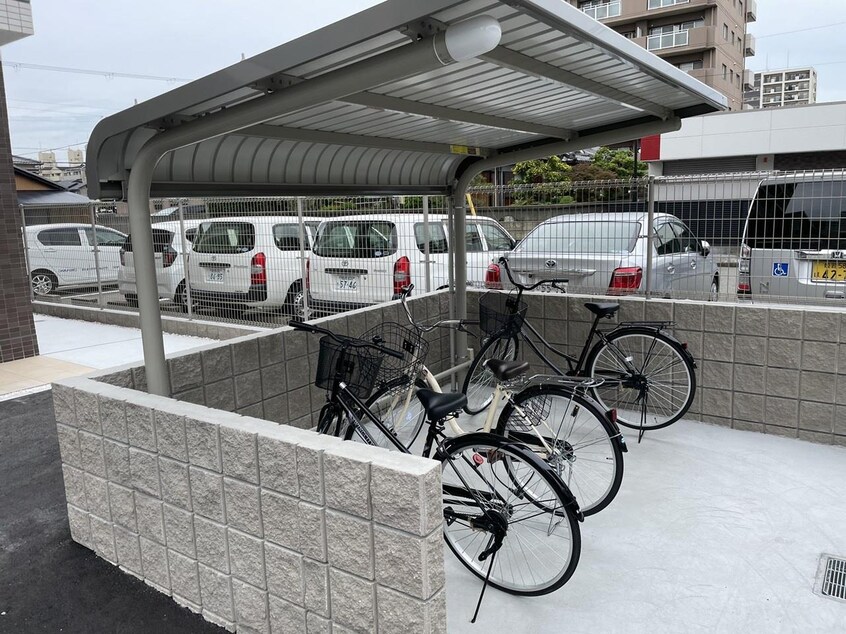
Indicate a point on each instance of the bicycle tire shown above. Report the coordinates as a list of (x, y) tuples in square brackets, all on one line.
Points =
[(473, 460), (665, 370), (589, 460), (406, 430), (328, 413), (479, 382)]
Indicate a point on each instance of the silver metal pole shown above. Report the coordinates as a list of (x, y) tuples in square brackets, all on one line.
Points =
[(427, 266), (185, 256), (26, 252), (650, 229), (451, 280), (303, 261), (93, 218), (460, 246)]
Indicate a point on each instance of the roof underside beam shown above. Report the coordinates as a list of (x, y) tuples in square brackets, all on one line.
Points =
[(339, 138), (195, 188), (384, 102), (523, 63)]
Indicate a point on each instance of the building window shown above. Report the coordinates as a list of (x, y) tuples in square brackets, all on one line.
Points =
[(726, 32), (725, 71), (689, 66), (671, 35), (601, 9), (658, 4)]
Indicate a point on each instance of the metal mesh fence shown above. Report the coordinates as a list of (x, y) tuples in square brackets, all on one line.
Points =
[(263, 260)]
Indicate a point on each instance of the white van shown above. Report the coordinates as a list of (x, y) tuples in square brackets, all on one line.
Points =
[(250, 262), (362, 260), (62, 255), (170, 263), (794, 240)]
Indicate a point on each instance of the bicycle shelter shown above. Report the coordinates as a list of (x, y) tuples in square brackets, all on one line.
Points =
[(403, 98)]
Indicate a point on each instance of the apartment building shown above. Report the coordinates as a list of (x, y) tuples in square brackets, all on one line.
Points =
[(706, 38), (780, 88)]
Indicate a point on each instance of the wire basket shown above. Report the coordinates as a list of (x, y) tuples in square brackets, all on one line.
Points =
[(535, 412), (359, 368), (501, 314), (402, 339)]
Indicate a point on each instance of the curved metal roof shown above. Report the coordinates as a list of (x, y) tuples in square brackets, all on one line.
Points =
[(556, 75)]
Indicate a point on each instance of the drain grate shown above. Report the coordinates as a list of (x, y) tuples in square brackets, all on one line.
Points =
[(832, 577)]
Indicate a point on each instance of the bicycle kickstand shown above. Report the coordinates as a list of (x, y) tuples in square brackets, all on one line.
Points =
[(493, 547)]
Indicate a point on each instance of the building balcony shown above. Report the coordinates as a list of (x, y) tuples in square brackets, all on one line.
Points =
[(604, 11), (633, 11), (692, 40), (751, 10)]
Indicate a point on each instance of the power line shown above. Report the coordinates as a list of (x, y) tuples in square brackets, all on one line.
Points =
[(810, 28), (84, 71)]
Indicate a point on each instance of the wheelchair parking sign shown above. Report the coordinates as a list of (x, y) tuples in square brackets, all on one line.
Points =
[(780, 269)]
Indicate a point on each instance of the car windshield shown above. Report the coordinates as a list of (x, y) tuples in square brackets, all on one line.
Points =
[(808, 216), (225, 237), (582, 237), (356, 239)]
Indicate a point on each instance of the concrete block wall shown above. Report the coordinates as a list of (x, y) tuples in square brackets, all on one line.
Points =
[(762, 368), (259, 527), (271, 375)]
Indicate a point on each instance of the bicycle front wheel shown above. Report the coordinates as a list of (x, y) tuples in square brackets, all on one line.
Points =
[(402, 415), (649, 377), (580, 443), (479, 383), (498, 492)]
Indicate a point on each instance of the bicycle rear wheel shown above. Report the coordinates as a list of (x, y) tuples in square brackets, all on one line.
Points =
[(494, 488), (583, 447), (479, 383), (404, 418), (660, 390)]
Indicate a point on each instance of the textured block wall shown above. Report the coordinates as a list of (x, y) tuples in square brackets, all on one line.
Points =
[(271, 376), (258, 526), (760, 368)]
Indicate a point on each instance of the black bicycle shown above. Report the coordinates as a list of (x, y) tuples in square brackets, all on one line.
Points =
[(507, 517), (648, 376)]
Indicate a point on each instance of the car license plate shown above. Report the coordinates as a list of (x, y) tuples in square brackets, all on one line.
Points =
[(214, 276), (347, 284), (825, 271)]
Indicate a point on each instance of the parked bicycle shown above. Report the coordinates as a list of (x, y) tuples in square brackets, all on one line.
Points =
[(647, 374), (551, 415), (507, 517)]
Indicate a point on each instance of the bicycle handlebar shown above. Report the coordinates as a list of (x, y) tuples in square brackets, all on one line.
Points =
[(459, 324), (554, 281), (344, 340)]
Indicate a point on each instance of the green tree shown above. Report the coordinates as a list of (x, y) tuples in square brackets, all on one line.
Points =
[(620, 162), (549, 170)]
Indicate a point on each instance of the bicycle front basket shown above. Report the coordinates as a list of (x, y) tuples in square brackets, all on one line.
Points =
[(358, 368), (501, 314), (405, 340)]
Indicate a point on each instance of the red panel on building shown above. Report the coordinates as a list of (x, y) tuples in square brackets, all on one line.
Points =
[(650, 148)]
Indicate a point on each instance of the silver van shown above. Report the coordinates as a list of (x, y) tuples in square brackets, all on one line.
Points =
[(794, 240)]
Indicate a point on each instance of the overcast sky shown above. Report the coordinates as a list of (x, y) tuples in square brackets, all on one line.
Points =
[(187, 39)]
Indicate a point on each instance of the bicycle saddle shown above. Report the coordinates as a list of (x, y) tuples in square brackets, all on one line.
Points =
[(602, 310), (439, 405), (506, 370)]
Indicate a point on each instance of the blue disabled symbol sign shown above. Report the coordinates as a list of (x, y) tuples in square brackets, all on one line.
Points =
[(780, 269)]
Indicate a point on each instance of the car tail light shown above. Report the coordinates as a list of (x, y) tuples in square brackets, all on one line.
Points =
[(308, 274), (493, 277), (625, 279), (258, 269), (168, 256), (744, 268), (122, 256), (402, 274)]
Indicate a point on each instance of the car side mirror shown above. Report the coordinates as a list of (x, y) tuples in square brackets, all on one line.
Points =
[(704, 248), (190, 234)]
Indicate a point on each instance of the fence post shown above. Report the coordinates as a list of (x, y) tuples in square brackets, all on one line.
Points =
[(650, 217), (100, 302), (303, 261), (189, 305), (26, 252), (427, 267)]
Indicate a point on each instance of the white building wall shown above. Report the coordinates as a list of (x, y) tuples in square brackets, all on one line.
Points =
[(15, 20)]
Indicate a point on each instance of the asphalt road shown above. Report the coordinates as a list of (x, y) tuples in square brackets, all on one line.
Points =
[(48, 583)]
